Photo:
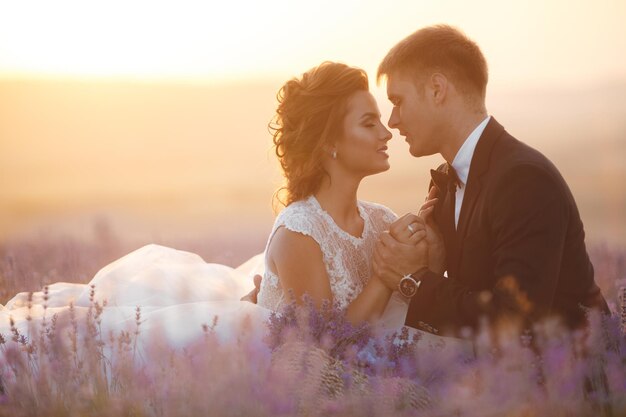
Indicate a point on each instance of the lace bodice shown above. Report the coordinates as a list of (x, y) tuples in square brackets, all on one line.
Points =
[(348, 259)]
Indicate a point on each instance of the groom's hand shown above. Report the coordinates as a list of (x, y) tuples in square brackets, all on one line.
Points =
[(434, 238), (252, 295), (393, 259)]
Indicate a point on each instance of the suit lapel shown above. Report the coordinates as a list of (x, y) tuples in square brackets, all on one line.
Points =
[(478, 167)]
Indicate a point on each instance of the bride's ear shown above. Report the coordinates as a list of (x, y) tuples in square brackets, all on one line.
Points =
[(331, 150)]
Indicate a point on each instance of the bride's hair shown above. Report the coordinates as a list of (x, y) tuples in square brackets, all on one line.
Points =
[(309, 119)]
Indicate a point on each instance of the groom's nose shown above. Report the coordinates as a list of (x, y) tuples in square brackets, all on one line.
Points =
[(394, 120)]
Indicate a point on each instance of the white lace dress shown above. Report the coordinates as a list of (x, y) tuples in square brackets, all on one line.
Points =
[(348, 259)]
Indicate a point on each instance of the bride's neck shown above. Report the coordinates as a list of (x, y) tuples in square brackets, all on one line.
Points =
[(339, 199)]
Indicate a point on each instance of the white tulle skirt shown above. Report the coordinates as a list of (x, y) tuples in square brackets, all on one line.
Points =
[(153, 290)]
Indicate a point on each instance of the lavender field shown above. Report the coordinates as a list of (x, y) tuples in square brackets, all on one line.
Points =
[(309, 362)]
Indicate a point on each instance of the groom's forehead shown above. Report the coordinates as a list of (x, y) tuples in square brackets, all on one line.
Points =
[(402, 83), (396, 84)]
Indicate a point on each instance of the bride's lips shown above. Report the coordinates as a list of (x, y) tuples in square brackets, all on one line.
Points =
[(383, 150)]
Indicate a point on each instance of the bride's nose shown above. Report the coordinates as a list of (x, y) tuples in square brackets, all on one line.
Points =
[(386, 135)]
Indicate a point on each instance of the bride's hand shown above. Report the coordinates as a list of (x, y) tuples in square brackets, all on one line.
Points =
[(408, 229), (434, 238), (252, 295)]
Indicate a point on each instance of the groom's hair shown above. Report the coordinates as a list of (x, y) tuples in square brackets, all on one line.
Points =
[(440, 48)]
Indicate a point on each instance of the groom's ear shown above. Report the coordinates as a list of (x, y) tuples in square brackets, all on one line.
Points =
[(438, 87)]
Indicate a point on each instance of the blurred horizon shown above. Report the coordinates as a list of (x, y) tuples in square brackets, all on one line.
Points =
[(156, 159)]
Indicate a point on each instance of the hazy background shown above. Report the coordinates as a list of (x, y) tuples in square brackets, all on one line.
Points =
[(151, 117)]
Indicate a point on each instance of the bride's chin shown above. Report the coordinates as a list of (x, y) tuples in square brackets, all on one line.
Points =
[(373, 170), (381, 169)]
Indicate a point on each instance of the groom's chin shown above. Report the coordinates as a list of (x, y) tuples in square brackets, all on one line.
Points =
[(416, 152)]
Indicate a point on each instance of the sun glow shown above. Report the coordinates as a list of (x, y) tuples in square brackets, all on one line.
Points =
[(137, 38), (148, 39), (562, 40)]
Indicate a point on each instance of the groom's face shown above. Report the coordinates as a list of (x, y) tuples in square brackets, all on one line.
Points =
[(413, 113)]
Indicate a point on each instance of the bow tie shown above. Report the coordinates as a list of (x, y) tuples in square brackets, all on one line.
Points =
[(446, 179)]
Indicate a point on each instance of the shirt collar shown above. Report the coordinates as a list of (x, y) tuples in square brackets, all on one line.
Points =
[(463, 158)]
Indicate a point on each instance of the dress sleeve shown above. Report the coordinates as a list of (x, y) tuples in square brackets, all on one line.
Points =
[(300, 219)]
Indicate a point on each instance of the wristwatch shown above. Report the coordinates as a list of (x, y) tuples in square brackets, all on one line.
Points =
[(409, 284)]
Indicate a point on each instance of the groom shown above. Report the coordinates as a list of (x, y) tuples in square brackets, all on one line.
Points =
[(504, 224)]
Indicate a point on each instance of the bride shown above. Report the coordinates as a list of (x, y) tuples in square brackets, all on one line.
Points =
[(328, 136)]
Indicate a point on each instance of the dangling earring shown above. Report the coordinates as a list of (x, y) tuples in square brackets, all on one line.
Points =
[(334, 154)]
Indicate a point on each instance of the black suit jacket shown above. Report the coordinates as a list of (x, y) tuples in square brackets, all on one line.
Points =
[(519, 246)]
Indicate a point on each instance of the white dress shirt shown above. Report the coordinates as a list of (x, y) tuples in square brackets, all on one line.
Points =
[(461, 165)]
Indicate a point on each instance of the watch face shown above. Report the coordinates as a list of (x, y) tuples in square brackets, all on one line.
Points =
[(408, 287)]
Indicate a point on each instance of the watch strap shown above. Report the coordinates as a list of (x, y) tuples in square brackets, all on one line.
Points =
[(419, 274)]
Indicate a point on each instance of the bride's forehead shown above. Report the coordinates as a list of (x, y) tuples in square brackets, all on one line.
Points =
[(361, 102)]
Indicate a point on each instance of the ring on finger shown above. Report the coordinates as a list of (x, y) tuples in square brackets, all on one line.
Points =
[(411, 228)]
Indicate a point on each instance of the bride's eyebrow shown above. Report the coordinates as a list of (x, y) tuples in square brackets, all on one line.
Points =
[(370, 115)]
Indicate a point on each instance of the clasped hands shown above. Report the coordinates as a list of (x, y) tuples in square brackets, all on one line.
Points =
[(411, 243)]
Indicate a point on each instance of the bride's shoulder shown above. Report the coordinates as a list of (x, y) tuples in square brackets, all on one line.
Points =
[(299, 208), (379, 211), (299, 215)]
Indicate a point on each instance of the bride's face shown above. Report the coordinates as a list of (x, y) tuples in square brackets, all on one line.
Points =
[(363, 148)]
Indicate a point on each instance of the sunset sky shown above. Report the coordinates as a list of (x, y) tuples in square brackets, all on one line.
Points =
[(528, 42), (154, 113)]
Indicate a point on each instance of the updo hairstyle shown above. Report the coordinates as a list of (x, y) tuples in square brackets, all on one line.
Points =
[(308, 121)]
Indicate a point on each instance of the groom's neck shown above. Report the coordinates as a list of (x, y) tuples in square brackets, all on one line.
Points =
[(462, 124)]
